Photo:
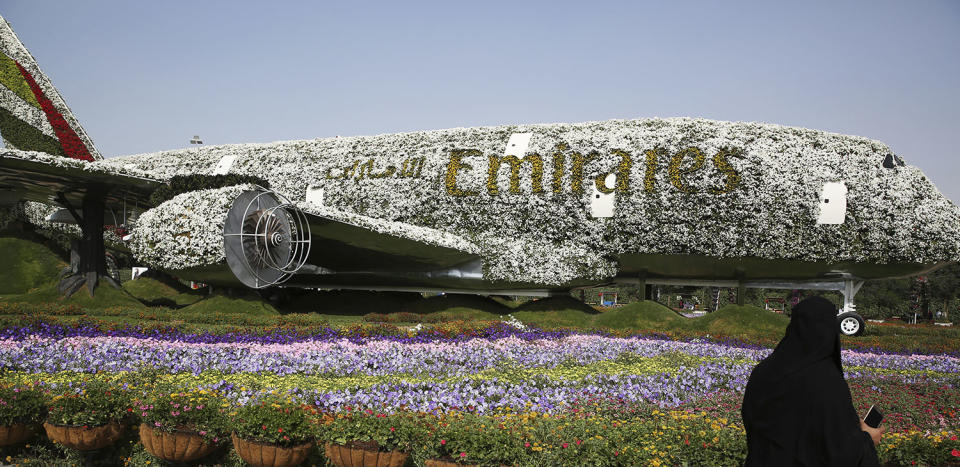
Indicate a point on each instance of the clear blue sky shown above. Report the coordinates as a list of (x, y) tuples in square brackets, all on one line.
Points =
[(146, 76)]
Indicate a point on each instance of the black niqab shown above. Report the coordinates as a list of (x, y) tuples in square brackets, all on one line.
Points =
[(797, 408)]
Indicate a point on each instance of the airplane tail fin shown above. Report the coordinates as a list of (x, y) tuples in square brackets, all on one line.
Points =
[(33, 115)]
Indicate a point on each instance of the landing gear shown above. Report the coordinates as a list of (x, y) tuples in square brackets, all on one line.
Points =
[(851, 324)]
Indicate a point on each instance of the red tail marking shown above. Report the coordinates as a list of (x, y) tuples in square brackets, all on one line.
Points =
[(72, 146)]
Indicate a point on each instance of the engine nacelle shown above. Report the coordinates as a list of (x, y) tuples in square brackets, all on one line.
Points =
[(266, 238)]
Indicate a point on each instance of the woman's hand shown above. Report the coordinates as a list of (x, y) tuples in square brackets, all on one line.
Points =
[(875, 433)]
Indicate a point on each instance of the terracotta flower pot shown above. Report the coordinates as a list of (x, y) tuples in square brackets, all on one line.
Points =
[(17, 433), (175, 447), (84, 438), (347, 456), (270, 455)]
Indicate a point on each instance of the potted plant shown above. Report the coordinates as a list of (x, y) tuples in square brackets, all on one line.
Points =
[(181, 426), (87, 416), (272, 433), (464, 439), (369, 439), (21, 412)]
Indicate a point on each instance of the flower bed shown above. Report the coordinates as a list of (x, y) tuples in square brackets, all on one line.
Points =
[(538, 397)]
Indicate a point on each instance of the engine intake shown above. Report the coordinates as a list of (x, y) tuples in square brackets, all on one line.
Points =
[(266, 238)]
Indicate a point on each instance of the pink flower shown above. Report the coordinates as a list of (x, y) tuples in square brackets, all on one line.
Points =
[(443, 441), (565, 445), (526, 445), (463, 454), (156, 423), (393, 429)]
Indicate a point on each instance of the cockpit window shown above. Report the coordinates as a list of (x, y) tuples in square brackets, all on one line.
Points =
[(889, 163)]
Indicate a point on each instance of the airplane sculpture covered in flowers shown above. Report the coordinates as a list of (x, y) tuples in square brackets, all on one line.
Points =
[(519, 209)]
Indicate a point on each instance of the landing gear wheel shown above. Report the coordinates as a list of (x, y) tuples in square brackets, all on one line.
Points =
[(851, 324)]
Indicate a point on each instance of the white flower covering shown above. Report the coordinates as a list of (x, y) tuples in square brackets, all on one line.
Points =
[(186, 231), (66, 162), (893, 215), (513, 321)]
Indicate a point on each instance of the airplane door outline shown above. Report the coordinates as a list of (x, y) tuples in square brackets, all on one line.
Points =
[(833, 203), (602, 204)]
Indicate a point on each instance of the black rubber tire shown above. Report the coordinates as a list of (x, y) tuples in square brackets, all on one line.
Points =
[(850, 324)]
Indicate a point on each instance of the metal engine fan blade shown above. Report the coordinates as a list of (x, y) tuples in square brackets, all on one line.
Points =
[(266, 238)]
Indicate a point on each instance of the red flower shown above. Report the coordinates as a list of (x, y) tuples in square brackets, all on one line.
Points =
[(393, 429), (526, 445), (263, 426), (443, 441), (279, 430), (955, 453), (565, 445)]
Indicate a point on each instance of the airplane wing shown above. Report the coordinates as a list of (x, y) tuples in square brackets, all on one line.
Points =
[(45, 178), (344, 241)]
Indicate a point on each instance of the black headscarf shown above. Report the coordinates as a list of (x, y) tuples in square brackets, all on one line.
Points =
[(797, 408)]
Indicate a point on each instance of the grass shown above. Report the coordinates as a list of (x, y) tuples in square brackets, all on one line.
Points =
[(157, 292), (27, 266), (641, 315), (733, 320), (347, 302), (105, 296), (469, 306), (247, 303), (562, 311)]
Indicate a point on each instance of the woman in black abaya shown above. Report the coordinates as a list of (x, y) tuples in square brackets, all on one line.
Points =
[(797, 408)]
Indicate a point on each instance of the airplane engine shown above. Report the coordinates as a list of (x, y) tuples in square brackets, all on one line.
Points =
[(266, 238)]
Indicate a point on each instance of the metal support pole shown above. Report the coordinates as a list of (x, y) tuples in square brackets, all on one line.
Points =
[(850, 289), (741, 293)]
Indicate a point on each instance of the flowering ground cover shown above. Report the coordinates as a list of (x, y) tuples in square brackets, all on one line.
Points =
[(550, 396)]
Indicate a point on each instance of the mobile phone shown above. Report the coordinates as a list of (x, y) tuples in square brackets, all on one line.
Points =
[(873, 418)]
